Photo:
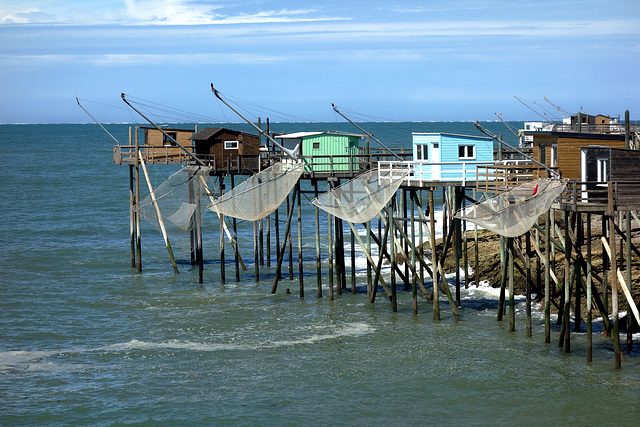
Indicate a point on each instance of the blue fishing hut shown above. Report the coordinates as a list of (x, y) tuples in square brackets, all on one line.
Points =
[(449, 157)]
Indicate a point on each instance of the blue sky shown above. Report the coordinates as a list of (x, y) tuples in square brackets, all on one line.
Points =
[(396, 60)]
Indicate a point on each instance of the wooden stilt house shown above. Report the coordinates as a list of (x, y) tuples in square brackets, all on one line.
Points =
[(227, 149)]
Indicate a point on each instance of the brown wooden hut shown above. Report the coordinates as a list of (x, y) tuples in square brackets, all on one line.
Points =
[(160, 146), (227, 149), (561, 150)]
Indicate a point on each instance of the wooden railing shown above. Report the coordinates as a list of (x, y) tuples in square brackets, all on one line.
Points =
[(601, 196)]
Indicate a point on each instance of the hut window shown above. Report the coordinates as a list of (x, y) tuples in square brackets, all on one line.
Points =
[(554, 155), (422, 152), (603, 170), (466, 152), (231, 145), (167, 138), (316, 145)]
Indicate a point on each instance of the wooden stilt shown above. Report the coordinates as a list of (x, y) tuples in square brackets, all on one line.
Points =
[(630, 318), (132, 217), (300, 266), (353, 263), (414, 278), (236, 251), (277, 230), (287, 233), (434, 259), (330, 244), (221, 217), (261, 240), (268, 226), (547, 280), (589, 285), (318, 254), (512, 305), (567, 284), (392, 253), (256, 255), (137, 204), (529, 329), (198, 234), (289, 240), (503, 278), (457, 230)]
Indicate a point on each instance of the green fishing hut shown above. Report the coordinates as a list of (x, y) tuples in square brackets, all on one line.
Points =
[(325, 152)]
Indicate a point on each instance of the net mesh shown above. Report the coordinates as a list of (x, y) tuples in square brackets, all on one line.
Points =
[(514, 212), (360, 199), (260, 194), (177, 198)]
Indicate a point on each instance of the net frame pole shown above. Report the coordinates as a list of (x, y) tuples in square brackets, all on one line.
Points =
[(160, 220)]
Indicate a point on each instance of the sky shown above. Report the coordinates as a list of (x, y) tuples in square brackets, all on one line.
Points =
[(435, 60)]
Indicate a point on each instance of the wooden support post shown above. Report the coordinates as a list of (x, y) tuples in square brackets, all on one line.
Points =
[(330, 244), (434, 259), (277, 230), (457, 241), (512, 305), (268, 226), (369, 263), (236, 252), (288, 240), (503, 278), (221, 217), (160, 220), (198, 234), (578, 286), (132, 215), (567, 284), (476, 249), (318, 253), (256, 256), (547, 280), (300, 266), (137, 203), (414, 278), (392, 253), (615, 333), (630, 318), (529, 332), (261, 240), (589, 286), (353, 264), (287, 232), (421, 225)]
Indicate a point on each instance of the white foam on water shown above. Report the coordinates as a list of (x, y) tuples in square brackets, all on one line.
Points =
[(346, 330)]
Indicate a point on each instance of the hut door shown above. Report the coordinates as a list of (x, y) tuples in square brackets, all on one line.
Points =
[(435, 158)]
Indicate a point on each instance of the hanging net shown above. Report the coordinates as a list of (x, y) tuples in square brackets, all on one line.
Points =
[(261, 194), (360, 199), (178, 199), (513, 213)]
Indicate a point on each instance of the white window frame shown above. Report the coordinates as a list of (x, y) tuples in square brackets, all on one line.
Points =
[(554, 155), (467, 155), (231, 145), (422, 152), (603, 169)]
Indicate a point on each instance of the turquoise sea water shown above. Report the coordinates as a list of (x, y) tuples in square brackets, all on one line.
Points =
[(85, 339)]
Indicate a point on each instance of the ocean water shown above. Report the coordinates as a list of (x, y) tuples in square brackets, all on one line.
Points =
[(86, 339)]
